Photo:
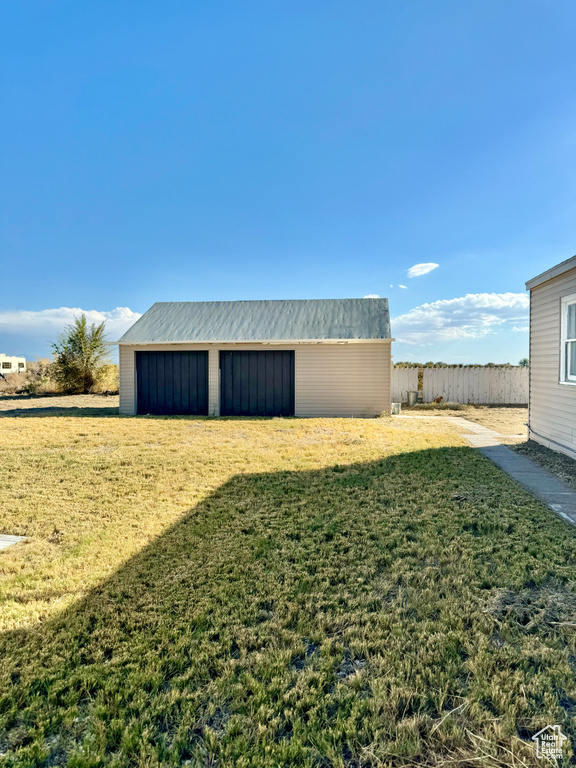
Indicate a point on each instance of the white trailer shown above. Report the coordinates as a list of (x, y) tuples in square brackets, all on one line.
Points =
[(12, 364)]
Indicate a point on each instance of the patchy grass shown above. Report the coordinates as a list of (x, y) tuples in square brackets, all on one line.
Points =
[(557, 463), (276, 593), (506, 420), (439, 407)]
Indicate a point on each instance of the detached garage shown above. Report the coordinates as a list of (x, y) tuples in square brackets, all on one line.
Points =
[(317, 357)]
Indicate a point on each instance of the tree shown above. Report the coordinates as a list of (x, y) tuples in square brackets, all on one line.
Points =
[(524, 362), (80, 356)]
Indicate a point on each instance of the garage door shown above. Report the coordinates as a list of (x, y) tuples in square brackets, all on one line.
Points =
[(172, 382), (257, 383)]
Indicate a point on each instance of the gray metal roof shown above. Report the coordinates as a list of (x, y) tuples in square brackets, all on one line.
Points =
[(211, 321)]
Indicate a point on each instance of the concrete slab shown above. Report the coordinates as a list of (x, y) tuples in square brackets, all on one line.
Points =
[(478, 429), (482, 441), (7, 541)]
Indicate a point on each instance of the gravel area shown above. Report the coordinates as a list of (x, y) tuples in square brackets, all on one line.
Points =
[(563, 467), (59, 405)]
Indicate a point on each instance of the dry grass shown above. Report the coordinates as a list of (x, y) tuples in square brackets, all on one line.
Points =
[(509, 420), (38, 380), (272, 593), (58, 405)]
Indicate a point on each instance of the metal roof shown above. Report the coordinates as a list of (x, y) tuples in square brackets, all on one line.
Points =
[(559, 269), (298, 320)]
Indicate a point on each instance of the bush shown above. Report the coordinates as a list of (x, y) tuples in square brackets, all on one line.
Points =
[(81, 357), (36, 380), (110, 381)]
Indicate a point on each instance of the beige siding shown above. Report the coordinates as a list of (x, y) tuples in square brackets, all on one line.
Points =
[(343, 379), (127, 380), (552, 415), (351, 379), (213, 382)]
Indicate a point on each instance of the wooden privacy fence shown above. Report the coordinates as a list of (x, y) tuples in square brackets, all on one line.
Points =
[(473, 386), (477, 386), (404, 380)]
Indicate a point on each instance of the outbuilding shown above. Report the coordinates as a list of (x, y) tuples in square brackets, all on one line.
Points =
[(552, 395), (10, 364), (312, 357)]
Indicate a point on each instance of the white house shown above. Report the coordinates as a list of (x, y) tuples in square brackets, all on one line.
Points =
[(552, 395), (317, 357), (12, 364)]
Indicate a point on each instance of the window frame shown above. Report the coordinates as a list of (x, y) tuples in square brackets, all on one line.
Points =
[(565, 353)]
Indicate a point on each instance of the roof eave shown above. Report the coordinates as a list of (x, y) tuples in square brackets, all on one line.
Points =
[(550, 274), (128, 343)]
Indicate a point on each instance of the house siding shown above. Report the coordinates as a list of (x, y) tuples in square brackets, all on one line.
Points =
[(352, 379), (552, 409)]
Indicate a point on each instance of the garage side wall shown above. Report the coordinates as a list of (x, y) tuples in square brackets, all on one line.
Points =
[(126, 361), (343, 379), (552, 415), (350, 379)]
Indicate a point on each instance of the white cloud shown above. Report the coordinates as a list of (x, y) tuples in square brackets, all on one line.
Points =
[(521, 329), (421, 269), (391, 286), (402, 286), (53, 321), (468, 317), (371, 296)]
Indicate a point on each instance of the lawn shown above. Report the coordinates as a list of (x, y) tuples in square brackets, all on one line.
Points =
[(268, 593), (506, 420)]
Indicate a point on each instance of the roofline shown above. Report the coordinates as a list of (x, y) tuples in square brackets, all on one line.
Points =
[(559, 269), (272, 301), (128, 343)]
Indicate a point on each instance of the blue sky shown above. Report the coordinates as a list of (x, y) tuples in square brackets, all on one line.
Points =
[(221, 150)]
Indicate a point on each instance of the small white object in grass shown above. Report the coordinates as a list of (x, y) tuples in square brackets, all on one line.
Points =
[(7, 541)]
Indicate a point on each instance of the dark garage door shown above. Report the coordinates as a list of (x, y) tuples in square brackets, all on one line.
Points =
[(257, 383), (172, 382)]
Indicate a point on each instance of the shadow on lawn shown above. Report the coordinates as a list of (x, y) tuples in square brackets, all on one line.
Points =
[(75, 411), (322, 618)]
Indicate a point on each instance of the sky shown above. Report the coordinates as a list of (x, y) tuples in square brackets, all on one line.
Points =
[(423, 151)]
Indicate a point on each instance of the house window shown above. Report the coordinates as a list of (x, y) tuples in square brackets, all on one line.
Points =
[(568, 352), (7, 365), (20, 365)]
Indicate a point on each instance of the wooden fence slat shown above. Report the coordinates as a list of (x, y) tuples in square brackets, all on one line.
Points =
[(404, 380), (478, 386)]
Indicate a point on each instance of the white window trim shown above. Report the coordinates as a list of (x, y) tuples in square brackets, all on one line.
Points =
[(565, 378)]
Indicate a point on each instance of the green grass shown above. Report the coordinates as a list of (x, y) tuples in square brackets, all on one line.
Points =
[(277, 593)]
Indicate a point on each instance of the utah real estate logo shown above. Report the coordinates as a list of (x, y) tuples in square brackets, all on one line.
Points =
[(549, 742)]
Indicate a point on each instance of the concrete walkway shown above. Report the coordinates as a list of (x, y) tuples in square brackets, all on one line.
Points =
[(542, 484), (6, 541)]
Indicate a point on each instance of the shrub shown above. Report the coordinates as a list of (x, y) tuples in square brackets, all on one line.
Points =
[(81, 357), (36, 380), (110, 381)]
